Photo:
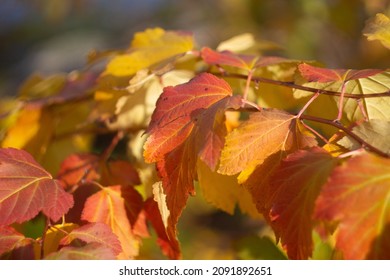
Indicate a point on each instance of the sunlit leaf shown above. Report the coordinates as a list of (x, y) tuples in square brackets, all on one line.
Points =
[(26, 189), (54, 235), (378, 28), (295, 186), (148, 48), (266, 132), (375, 132), (356, 196), (109, 206)]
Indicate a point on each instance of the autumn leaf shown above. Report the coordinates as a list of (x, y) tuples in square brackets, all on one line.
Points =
[(378, 28), (356, 196), (374, 132), (170, 247), (294, 188), (224, 192), (109, 206), (263, 134), (324, 75), (188, 123), (94, 232), (147, 48), (91, 251), (53, 237), (242, 61), (26, 189), (11, 241)]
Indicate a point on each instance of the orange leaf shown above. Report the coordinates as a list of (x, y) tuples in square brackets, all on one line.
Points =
[(26, 188), (356, 196), (295, 185), (109, 206), (95, 232), (263, 134)]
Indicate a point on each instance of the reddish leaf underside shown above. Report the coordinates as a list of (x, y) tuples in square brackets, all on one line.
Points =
[(188, 123), (26, 189), (109, 206), (95, 232), (10, 239), (324, 75), (294, 188), (246, 62), (356, 196)]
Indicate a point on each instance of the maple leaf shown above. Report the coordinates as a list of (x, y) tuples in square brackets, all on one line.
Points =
[(26, 188), (266, 132), (378, 28), (188, 123), (356, 196), (147, 48), (95, 232), (91, 251), (294, 188), (109, 206)]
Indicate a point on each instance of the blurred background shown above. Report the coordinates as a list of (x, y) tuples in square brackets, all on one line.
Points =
[(51, 36)]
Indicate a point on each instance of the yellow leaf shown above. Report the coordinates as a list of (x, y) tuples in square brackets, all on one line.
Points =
[(54, 235), (224, 192), (378, 28), (160, 198), (149, 47)]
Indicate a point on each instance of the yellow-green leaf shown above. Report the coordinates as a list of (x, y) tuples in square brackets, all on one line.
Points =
[(378, 28)]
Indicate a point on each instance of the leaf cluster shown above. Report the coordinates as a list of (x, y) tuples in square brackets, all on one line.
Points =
[(302, 147)]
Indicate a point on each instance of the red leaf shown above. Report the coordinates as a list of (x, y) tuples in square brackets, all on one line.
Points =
[(13, 241), (84, 168), (95, 232), (26, 188), (177, 110), (108, 206), (295, 185), (78, 167), (356, 196), (247, 62), (170, 248), (324, 75), (188, 122)]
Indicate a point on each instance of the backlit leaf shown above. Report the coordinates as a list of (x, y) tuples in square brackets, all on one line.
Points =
[(357, 197), (375, 132), (26, 189), (147, 48), (109, 206), (224, 192), (263, 134), (188, 122), (95, 232), (295, 185), (91, 251), (378, 28), (324, 75), (54, 235)]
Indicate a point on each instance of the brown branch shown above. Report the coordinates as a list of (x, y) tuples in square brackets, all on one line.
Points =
[(348, 132), (305, 88)]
